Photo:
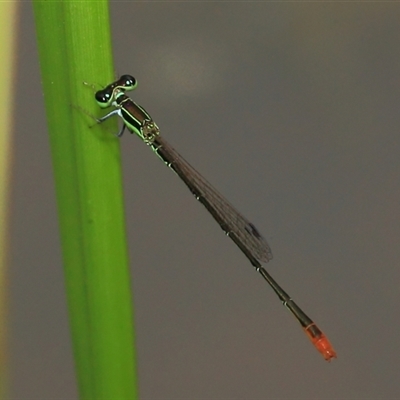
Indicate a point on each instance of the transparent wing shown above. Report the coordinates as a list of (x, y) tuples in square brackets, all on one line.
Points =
[(230, 220)]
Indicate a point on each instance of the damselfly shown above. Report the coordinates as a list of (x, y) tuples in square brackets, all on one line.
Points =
[(244, 234)]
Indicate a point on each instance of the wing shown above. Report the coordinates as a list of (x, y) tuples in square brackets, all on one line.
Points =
[(232, 222)]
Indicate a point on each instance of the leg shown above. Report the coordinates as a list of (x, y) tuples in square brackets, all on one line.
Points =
[(111, 114)]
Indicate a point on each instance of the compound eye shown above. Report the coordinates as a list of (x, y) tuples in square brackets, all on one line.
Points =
[(128, 82), (103, 98)]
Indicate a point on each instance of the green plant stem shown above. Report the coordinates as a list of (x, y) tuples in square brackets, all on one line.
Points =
[(74, 46)]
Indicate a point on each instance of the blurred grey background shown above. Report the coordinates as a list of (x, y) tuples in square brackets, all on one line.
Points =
[(291, 110)]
